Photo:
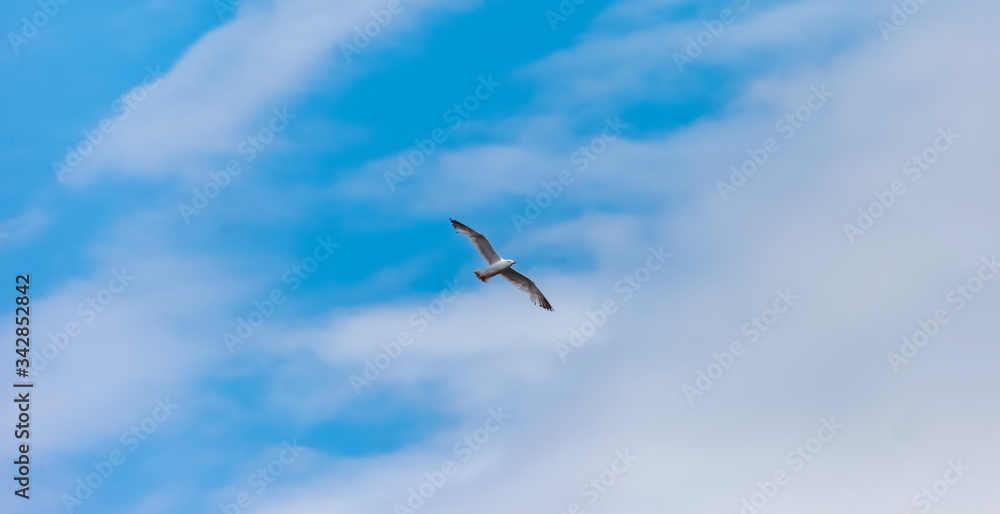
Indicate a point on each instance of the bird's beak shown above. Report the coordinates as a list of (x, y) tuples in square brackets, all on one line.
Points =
[(513, 263)]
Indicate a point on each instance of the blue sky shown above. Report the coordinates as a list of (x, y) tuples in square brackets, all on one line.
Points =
[(744, 213)]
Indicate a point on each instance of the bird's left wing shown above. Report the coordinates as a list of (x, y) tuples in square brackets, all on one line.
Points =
[(480, 242), (525, 284)]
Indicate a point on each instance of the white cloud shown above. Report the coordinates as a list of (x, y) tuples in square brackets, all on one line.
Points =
[(224, 87), (22, 227), (610, 68)]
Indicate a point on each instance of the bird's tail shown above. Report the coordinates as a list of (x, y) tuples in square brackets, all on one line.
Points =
[(481, 275)]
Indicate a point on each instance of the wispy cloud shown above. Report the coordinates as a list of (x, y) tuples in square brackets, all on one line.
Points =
[(232, 76)]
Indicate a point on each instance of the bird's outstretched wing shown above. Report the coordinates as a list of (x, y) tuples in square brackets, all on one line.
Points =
[(482, 244), (525, 284)]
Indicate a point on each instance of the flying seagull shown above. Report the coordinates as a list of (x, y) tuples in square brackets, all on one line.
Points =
[(502, 267)]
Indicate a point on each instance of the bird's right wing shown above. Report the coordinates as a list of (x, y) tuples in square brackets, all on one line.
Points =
[(481, 243), (525, 284)]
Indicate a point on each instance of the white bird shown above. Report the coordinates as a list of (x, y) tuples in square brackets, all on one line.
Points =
[(502, 267)]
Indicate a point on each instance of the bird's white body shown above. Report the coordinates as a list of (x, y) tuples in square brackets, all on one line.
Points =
[(493, 270)]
